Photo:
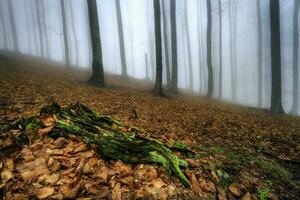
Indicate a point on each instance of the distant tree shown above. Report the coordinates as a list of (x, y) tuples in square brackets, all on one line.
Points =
[(188, 41), (45, 29), (65, 33), (97, 66), (34, 21), (220, 50), (74, 32), (232, 35), (209, 51), (201, 49), (295, 58), (165, 33), (13, 26), (2, 21), (39, 24), (259, 53), (157, 24), (174, 78), (276, 103), (147, 67), (121, 38), (28, 28)]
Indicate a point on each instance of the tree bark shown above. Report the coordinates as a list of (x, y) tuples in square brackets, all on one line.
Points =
[(209, 58), (65, 33), (158, 44), (74, 32), (220, 50), (45, 29), (3, 27), (259, 53), (295, 58), (276, 103), (39, 21), (165, 33), (147, 67), (121, 38), (98, 72), (13, 26), (189, 50), (174, 78)]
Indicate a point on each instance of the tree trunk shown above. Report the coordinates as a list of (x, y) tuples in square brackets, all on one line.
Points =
[(295, 58), (276, 103), (158, 81), (45, 30), (232, 35), (3, 27), (65, 33), (39, 18), (35, 35), (98, 72), (74, 32), (121, 38), (174, 78), (220, 50), (259, 53), (189, 50), (209, 58), (147, 67), (13, 26), (165, 32)]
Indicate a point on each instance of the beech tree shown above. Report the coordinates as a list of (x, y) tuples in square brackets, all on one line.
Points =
[(13, 25), (276, 103), (157, 24), (209, 57), (295, 58), (97, 63), (65, 33), (174, 77)]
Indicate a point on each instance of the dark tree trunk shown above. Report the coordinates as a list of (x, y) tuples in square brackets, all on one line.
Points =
[(189, 50), (259, 53), (174, 78), (158, 81), (97, 65), (74, 32), (39, 21), (209, 59), (65, 33), (45, 29), (3, 26), (165, 32), (13, 26), (220, 50), (276, 103), (232, 35), (121, 38), (295, 58)]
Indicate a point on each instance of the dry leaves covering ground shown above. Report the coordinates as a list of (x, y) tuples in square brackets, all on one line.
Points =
[(242, 153)]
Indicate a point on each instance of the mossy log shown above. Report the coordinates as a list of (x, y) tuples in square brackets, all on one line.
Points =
[(113, 139)]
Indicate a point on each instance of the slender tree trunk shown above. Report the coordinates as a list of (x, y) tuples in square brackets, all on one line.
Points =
[(276, 103), (30, 45), (165, 33), (209, 58), (39, 24), (74, 32), (65, 33), (45, 30), (121, 38), (158, 43), (295, 58), (34, 21), (259, 53), (188, 41), (174, 78), (2, 21), (147, 67), (220, 50), (13, 26), (232, 35), (98, 72)]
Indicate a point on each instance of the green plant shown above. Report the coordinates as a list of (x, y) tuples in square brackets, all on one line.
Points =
[(263, 193)]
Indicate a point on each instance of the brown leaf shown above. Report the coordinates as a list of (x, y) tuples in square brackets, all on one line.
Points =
[(235, 190), (247, 196), (194, 183), (45, 192), (69, 191), (158, 183), (6, 175), (116, 192), (51, 179), (10, 164)]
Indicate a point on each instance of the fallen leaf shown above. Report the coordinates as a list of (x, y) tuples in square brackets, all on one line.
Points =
[(247, 196), (45, 192), (6, 175), (234, 189), (51, 179), (116, 192)]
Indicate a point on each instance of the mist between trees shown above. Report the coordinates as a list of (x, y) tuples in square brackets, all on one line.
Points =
[(242, 51)]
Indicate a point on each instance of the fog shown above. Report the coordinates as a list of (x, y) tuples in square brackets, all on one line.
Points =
[(39, 33)]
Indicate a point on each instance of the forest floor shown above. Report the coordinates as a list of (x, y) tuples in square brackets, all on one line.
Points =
[(242, 153)]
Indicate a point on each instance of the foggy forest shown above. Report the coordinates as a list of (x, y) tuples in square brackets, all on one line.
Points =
[(149, 99)]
